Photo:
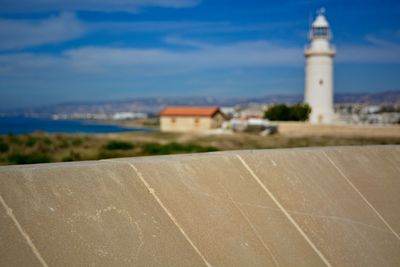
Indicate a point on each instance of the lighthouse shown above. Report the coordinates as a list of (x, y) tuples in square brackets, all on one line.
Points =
[(319, 54)]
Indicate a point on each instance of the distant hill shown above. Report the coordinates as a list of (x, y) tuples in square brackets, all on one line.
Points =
[(390, 97), (153, 105)]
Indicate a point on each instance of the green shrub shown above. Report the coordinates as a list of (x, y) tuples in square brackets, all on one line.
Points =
[(76, 141), (35, 157), (3, 147), (73, 156), (46, 141), (13, 139), (107, 154), (118, 145), (174, 148), (282, 112), (63, 143), (43, 148), (31, 141), (300, 112), (278, 113)]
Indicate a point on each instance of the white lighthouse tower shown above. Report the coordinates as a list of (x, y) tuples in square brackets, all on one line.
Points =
[(319, 71)]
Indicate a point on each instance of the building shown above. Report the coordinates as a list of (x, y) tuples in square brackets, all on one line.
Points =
[(190, 119), (319, 71), (129, 115), (251, 110)]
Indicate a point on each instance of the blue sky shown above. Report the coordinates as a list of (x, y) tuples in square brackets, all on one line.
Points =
[(54, 51)]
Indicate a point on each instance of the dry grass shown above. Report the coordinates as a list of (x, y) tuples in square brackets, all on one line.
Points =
[(367, 131)]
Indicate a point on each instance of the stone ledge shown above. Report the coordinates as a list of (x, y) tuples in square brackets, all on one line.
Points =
[(333, 206)]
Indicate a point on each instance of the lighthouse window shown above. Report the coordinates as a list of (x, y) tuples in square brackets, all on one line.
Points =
[(321, 82), (320, 31)]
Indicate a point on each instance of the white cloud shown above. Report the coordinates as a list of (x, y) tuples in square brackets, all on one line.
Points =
[(135, 62), (90, 5), (368, 54), (186, 27), (204, 56), (197, 56), (17, 34), (372, 39), (376, 50)]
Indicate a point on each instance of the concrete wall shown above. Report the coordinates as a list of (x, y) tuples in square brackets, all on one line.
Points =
[(190, 124), (295, 207)]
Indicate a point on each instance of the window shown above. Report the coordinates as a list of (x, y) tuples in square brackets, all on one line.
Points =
[(320, 32), (173, 120), (196, 121)]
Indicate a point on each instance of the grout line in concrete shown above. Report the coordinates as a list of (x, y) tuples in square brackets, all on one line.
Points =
[(285, 212), (35, 251), (361, 195), (166, 210)]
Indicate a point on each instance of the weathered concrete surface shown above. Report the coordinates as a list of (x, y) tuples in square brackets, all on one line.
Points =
[(292, 207)]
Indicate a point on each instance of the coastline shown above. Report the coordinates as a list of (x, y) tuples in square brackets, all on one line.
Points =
[(27, 125)]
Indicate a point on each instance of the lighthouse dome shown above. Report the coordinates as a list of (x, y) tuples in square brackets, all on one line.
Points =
[(320, 22)]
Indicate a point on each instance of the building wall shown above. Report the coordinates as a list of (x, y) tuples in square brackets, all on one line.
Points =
[(217, 121), (189, 124)]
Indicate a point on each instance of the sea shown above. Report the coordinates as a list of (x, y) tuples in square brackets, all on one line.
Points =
[(26, 125)]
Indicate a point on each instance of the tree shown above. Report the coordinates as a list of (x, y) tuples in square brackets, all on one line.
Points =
[(300, 112), (279, 112), (282, 112)]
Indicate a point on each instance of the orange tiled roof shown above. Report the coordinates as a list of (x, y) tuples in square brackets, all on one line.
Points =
[(190, 111)]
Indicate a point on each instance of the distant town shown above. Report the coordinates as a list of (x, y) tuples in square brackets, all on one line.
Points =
[(373, 108)]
